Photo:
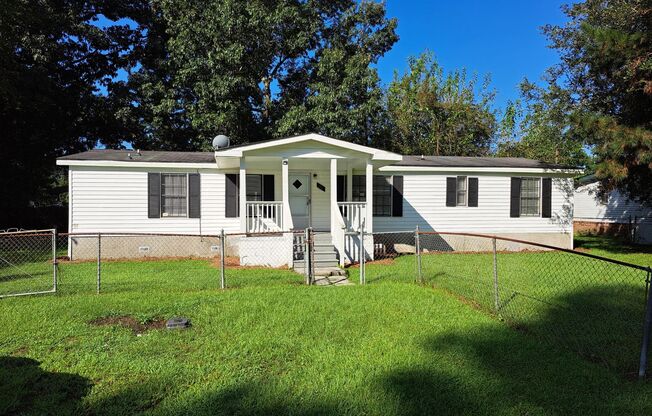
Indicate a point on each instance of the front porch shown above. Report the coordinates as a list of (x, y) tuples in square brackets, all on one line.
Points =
[(310, 181)]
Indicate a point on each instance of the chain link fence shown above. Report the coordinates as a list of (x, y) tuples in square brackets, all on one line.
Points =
[(595, 306), (27, 263), (598, 307)]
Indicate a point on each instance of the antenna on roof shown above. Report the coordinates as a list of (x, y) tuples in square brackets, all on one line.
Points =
[(221, 141)]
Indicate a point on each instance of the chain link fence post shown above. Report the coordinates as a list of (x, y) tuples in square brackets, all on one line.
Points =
[(647, 326), (307, 256), (495, 260), (363, 258), (417, 248), (54, 260), (99, 262), (222, 259)]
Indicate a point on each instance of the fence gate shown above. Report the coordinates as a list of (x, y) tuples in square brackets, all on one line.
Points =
[(28, 263)]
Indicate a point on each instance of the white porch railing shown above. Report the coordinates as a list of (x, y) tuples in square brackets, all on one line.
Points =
[(353, 214), (264, 217)]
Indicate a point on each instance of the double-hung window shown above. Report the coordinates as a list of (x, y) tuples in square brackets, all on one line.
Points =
[(461, 191), (530, 197), (254, 187), (382, 198), (174, 194)]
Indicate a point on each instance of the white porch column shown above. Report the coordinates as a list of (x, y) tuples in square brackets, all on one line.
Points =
[(243, 196), (349, 182), (334, 223), (285, 195), (370, 197)]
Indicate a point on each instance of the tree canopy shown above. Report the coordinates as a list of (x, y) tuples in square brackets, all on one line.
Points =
[(257, 69), (171, 74), (606, 66), (54, 63), (434, 112), (538, 127)]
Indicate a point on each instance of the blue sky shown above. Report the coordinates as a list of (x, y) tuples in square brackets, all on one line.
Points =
[(501, 37)]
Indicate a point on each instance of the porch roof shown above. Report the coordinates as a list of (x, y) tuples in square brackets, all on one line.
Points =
[(344, 146)]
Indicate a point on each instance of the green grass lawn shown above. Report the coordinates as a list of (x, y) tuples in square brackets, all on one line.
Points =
[(592, 307), (270, 345)]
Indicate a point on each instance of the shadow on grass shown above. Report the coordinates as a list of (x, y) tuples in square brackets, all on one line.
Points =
[(504, 371), (248, 398), (27, 389), (610, 245), (510, 376)]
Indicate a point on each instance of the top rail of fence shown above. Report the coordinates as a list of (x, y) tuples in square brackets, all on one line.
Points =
[(546, 246), (44, 232)]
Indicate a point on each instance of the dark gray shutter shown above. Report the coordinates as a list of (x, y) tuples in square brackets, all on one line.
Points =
[(546, 197), (341, 188), (515, 198), (268, 188), (451, 192), (473, 192), (397, 196), (194, 195), (232, 195), (153, 195)]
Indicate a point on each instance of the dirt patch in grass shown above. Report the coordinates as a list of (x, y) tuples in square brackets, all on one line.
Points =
[(128, 321)]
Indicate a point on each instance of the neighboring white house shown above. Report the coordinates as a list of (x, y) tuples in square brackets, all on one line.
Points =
[(612, 213), (316, 181)]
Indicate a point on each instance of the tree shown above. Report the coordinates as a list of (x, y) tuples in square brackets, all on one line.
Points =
[(436, 113), (343, 94), (538, 127), (54, 63), (606, 65), (255, 70)]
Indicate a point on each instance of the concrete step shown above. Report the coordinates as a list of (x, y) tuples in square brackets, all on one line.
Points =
[(318, 264), (332, 281)]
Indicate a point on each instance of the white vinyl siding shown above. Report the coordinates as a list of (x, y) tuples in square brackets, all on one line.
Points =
[(616, 208), (425, 205), (115, 200)]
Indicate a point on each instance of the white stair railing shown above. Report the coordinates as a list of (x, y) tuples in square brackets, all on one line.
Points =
[(264, 217)]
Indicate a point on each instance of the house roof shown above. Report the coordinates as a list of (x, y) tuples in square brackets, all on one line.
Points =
[(477, 162), (207, 159), (142, 156)]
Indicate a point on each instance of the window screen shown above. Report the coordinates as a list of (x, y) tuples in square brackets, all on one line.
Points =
[(174, 190), (530, 196), (461, 191), (382, 198)]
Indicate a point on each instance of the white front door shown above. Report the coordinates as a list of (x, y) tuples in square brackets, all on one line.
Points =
[(300, 200)]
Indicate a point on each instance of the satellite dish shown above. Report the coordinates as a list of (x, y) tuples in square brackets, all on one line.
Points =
[(221, 141)]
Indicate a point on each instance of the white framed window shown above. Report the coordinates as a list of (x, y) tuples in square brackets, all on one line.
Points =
[(530, 197), (461, 192), (174, 195)]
